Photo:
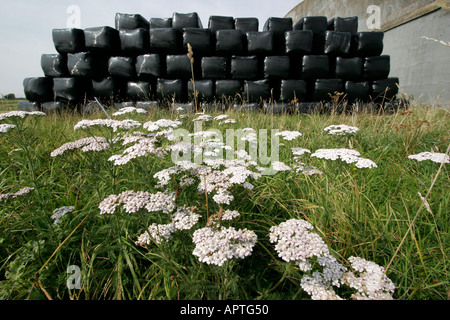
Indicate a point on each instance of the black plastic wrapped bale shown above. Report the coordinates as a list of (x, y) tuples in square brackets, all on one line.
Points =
[(385, 90), (315, 67), (276, 108), (348, 24), (87, 64), (28, 106), (102, 39), (165, 41), (215, 68), (54, 65), (369, 44), (149, 66), (337, 43), (299, 42), (256, 91), (318, 25), (377, 68), (277, 67), (122, 67), (178, 67), (244, 68), (226, 89), (204, 88), (108, 88), (134, 42), (57, 106), (171, 90), (357, 91), (348, 68), (157, 23), (279, 26), (124, 104), (220, 23), (186, 20), (259, 43), (68, 40), (325, 89), (199, 39), (148, 105), (139, 90), (246, 24), (125, 21), (229, 42), (69, 89), (293, 90), (39, 89)]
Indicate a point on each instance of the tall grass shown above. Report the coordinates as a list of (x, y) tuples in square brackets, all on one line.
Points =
[(368, 213)]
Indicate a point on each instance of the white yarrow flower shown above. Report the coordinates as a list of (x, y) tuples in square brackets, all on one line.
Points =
[(431, 156), (341, 129)]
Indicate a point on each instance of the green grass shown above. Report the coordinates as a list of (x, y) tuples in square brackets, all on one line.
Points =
[(375, 214)]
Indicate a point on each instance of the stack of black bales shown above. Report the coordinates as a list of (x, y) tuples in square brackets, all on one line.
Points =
[(141, 62)]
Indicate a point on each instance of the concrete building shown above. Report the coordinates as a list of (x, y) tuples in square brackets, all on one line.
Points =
[(421, 64)]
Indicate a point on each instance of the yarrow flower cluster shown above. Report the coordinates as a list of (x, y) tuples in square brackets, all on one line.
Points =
[(184, 218), (129, 110), (370, 281), (114, 124), (295, 242), (85, 144), (431, 156), (20, 114), (4, 128), (61, 212), (346, 155), (19, 193), (161, 123), (218, 245), (289, 135), (133, 202), (340, 130)]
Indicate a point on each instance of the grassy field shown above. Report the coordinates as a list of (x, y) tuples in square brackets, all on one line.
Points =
[(395, 215)]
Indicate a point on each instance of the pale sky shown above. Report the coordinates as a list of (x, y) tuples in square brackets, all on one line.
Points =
[(26, 25)]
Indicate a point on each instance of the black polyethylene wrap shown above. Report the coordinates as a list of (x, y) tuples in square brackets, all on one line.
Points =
[(126, 21), (38, 89), (246, 24), (54, 65), (139, 90), (165, 41), (315, 67), (178, 67), (292, 90), (326, 88), (244, 68), (357, 91), (69, 89), (228, 88), (348, 24), (156, 23), (199, 39), (259, 43), (134, 42), (337, 43), (68, 40), (377, 68), (369, 43), (385, 89), (102, 39), (205, 89), (277, 67), (349, 68), (299, 42), (171, 90), (220, 23), (230, 42), (215, 67), (122, 67), (149, 66), (186, 20), (255, 91)]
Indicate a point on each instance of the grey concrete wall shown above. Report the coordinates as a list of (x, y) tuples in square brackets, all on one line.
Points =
[(422, 66)]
